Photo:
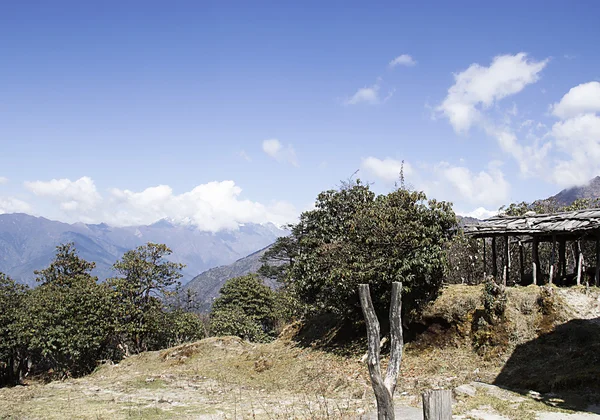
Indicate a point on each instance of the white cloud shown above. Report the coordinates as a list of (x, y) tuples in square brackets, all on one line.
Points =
[(479, 213), (582, 99), (387, 169), (3, 180), (579, 139), (277, 151), (13, 205), (212, 206), (479, 87), (367, 95), (403, 60), (533, 158), (79, 195), (484, 188)]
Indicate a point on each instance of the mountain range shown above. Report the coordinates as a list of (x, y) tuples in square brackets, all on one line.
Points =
[(28, 243), (591, 190)]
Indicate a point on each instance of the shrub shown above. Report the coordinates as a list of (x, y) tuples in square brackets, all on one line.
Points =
[(246, 308)]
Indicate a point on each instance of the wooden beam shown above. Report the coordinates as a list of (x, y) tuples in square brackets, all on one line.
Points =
[(494, 259), (536, 260)]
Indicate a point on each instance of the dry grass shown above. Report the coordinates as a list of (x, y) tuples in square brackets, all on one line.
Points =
[(227, 378)]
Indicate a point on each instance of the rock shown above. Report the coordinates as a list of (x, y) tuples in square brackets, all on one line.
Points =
[(465, 390)]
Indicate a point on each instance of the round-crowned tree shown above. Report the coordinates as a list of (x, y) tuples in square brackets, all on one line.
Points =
[(354, 237)]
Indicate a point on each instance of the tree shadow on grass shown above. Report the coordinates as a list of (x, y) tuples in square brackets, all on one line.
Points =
[(563, 365)]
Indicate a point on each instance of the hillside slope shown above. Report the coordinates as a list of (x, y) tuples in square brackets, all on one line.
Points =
[(590, 190)]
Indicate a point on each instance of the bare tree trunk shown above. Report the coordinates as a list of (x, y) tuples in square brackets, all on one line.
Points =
[(383, 388)]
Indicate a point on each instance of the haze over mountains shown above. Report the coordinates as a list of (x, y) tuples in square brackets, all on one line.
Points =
[(27, 243)]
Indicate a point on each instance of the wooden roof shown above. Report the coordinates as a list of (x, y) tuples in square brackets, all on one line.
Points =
[(569, 223)]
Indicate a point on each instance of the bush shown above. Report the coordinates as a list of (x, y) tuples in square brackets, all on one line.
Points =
[(234, 321), (247, 308)]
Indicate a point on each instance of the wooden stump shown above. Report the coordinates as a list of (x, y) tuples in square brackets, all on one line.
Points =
[(437, 404)]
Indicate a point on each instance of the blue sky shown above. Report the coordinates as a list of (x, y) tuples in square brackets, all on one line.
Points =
[(222, 113)]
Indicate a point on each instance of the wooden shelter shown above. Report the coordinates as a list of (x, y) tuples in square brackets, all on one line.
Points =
[(557, 228)]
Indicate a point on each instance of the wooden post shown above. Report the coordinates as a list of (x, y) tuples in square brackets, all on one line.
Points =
[(562, 258), (536, 259), (552, 259), (484, 261), (437, 404), (383, 388), (494, 259), (521, 262), (597, 275), (579, 262), (506, 260)]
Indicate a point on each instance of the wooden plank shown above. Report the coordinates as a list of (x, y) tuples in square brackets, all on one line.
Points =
[(437, 404)]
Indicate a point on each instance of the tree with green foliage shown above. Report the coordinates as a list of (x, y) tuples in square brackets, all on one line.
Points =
[(146, 278), (13, 348), (71, 317), (246, 308), (355, 237)]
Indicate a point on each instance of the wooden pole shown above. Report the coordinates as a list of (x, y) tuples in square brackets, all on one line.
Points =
[(562, 258), (521, 262), (597, 275), (383, 388), (579, 262), (494, 259), (536, 259), (437, 404), (552, 259), (484, 261), (506, 260)]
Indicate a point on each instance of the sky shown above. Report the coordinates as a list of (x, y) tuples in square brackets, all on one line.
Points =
[(221, 113)]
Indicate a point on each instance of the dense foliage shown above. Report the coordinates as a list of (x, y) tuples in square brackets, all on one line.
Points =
[(354, 236), (70, 322), (248, 309)]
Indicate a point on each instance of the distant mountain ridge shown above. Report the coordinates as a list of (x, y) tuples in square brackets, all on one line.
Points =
[(27, 243), (206, 286), (591, 190)]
